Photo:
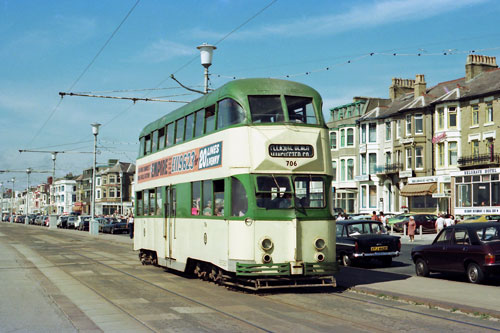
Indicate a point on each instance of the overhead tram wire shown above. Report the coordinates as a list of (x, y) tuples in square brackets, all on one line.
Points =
[(86, 69)]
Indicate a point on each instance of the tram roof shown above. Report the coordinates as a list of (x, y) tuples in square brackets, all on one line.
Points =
[(238, 90)]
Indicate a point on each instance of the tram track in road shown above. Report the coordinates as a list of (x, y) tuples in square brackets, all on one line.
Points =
[(386, 306)]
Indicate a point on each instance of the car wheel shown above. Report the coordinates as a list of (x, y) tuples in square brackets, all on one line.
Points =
[(474, 273), (386, 261), (346, 260), (421, 268)]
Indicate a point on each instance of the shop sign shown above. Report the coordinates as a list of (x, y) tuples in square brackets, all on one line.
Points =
[(477, 210), (441, 195), (405, 174), (476, 172), (439, 138), (419, 180), (362, 178)]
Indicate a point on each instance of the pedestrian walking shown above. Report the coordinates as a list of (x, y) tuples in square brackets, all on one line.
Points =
[(439, 223), (374, 216), (383, 219), (130, 225), (412, 225), (448, 221)]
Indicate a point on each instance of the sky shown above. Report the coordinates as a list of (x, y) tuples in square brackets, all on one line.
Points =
[(342, 48)]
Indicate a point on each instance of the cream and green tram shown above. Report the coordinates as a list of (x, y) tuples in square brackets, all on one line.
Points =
[(234, 187)]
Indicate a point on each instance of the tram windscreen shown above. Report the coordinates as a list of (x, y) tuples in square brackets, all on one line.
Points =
[(274, 192), (266, 109), (301, 110), (309, 192)]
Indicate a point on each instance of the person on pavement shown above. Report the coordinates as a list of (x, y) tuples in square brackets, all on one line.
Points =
[(412, 225), (375, 217), (439, 223), (383, 219), (130, 225)]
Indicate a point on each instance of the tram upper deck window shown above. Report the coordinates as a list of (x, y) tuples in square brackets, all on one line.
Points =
[(266, 109), (147, 145), (309, 192), (141, 146), (170, 134), (199, 123), (230, 113), (154, 142), (301, 110), (161, 138), (274, 192), (210, 119), (189, 127), (179, 130)]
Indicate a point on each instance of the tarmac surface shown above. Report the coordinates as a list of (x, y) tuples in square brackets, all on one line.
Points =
[(480, 300)]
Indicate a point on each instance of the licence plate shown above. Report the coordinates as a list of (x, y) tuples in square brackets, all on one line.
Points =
[(379, 248)]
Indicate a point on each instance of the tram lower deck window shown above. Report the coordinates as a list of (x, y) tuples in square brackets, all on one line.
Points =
[(274, 192)]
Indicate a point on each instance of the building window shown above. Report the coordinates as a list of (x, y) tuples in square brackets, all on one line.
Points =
[(452, 117), (388, 159), (372, 132), (489, 113), (408, 159), (373, 196), (399, 128), (342, 138), (363, 164), (452, 153), (408, 125), (440, 119), (475, 148), (419, 123), (334, 169), (350, 137), (372, 160), (419, 157), (440, 152), (342, 170), (363, 196), (388, 130), (333, 140), (475, 115), (363, 133), (350, 169)]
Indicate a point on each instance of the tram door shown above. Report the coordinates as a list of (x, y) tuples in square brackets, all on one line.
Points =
[(170, 213)]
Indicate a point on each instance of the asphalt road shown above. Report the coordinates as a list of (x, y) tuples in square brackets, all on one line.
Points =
[(97, 283)]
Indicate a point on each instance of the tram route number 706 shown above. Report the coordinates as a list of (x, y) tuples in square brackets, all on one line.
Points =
[(291, 163)]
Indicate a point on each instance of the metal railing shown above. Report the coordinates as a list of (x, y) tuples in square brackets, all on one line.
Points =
[(389, 168), (478, 160)]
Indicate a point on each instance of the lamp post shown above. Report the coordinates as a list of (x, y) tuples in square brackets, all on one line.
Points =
[(1, 202), (92, 224), (121, 193), (26, 220), (13, 180), (206, 52)]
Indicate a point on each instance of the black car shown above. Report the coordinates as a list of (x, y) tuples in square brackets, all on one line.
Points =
[(471, 248), (365, 239), (115, 226)]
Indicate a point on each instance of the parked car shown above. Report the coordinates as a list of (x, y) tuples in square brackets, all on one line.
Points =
[(481, 218), (470, 248), (62, 221), (365, 239), (82, 222), (427, 221), (71, 222), (115, 226), (102, 221)]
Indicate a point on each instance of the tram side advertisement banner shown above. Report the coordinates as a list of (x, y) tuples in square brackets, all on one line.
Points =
[(193, 160)]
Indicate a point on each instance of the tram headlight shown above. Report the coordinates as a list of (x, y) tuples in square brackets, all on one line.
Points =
[(266, 258), (266, 244), (319, 244), (320, 257)]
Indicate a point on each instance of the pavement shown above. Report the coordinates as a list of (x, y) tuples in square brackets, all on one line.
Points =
[(479, 300)]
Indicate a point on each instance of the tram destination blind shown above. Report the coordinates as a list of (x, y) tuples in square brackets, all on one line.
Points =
[(291, 150)]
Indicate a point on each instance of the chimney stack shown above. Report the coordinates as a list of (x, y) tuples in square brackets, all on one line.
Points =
[(400, 87), (420, 86), (477, 64)]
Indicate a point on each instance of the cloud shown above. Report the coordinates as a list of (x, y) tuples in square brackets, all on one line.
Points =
[(164, 50), (360, 16)]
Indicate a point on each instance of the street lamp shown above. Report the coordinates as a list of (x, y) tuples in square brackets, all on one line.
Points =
[(1, 202), (28, 171), (206, 52), (13, 180), (92, 224), (121, 192)]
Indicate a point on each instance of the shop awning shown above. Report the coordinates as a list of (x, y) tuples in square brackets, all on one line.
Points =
[(416, 190)]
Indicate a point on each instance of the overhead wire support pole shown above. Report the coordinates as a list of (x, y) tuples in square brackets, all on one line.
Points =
[(134, 99)]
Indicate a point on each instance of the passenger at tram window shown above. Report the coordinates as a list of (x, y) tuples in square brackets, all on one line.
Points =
[(196, 198), (207, 211), (219, 207), (283, 201)]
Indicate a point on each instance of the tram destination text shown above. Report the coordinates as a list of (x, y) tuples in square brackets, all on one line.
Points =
[(290, 150)]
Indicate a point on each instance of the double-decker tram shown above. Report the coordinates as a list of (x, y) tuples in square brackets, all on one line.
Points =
[(234, 187)]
